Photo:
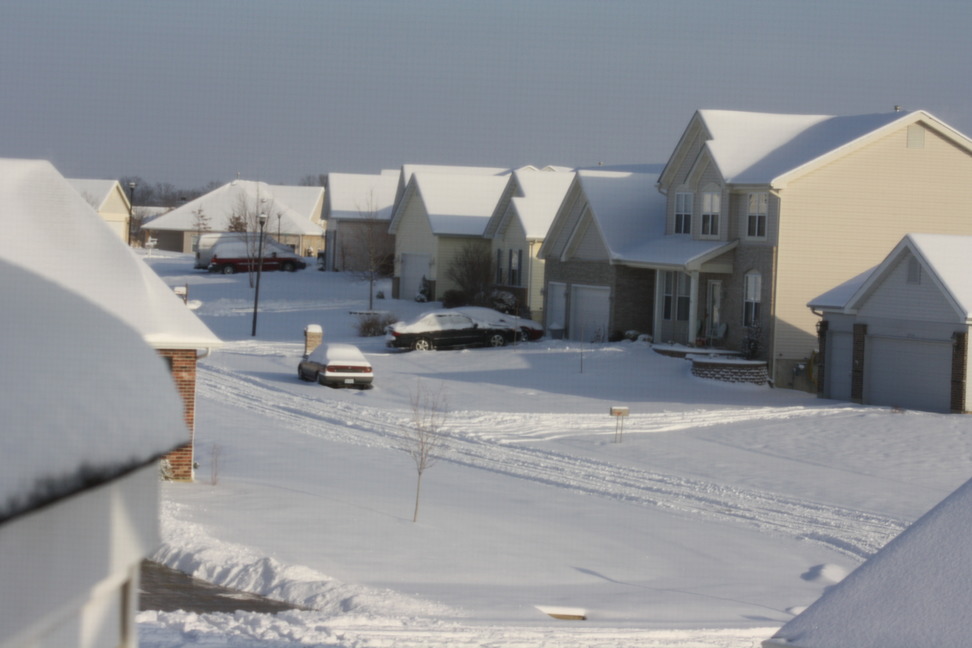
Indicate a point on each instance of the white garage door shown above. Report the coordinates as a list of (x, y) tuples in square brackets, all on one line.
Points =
[(590, 308), (838, 364), (913, 374), (414, 267)]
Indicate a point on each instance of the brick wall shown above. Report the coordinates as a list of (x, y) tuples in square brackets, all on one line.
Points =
[(182, 364)]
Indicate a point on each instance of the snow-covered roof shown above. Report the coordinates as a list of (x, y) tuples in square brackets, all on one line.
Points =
[(358, 195), (408, 170), (243, 196), (945, 257), (542, 192), (457, 205), (84, 399), (837, 297), (307, 201), (913, 592), (53, 231), (766, 148), (95, 191)]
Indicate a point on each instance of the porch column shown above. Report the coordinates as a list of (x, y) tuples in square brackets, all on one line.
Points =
[(693, 331)]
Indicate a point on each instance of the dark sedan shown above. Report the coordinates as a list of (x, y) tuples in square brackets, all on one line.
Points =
[(444, 329)]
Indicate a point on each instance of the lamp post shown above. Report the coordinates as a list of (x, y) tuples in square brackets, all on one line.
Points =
[(131, 211), (256, 295)]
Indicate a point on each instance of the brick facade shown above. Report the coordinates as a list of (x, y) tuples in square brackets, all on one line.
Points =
[(182, 364)]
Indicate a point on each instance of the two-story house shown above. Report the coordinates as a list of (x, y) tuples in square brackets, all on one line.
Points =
[(517, 229), (798, 203)]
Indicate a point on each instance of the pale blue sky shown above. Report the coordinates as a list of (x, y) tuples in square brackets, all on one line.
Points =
[(193, 91)]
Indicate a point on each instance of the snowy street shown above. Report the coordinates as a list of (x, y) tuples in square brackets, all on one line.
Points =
[(724, 510)]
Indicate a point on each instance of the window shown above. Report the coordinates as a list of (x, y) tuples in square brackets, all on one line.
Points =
[(683, 213), (676, 297), (513, 276), (710, 213), (499, 267), (684, 301), (752, 291), (758, 209)]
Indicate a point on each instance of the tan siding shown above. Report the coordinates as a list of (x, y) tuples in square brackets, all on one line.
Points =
[(449, 248), (844, 218), (414, 234)]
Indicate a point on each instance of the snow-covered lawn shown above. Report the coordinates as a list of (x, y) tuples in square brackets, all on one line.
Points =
[(723, 511)]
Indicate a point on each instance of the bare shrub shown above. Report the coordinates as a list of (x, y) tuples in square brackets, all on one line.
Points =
[(373, 324)]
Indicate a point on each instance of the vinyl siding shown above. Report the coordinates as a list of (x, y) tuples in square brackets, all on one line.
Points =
[(448, 248), (414, 234), (843, 218), (895, 298)]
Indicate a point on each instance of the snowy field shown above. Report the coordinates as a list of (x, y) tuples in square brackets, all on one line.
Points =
[(722, 512)]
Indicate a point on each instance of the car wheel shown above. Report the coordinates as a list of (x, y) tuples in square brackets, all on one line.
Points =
[(300, 375), (228, 269), (289, 267), (497, 340), (423, 344), (521, 336)]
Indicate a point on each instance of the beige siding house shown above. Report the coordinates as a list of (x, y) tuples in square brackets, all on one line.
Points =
[(438, 216), (110, 201), (810, 200), (517, 229), (294, 216)]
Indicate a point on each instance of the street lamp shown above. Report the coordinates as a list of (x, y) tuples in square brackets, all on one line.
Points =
[(256, 295), (131, 211)]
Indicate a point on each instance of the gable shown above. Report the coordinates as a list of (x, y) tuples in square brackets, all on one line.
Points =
[(908, 291), (587, 244)]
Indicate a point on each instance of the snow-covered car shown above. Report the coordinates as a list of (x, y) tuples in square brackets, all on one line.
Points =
[(528, 329), (449, 328), (337, 365), (232, 257)]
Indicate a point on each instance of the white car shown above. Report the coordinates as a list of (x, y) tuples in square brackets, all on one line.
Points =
[(337, 365)]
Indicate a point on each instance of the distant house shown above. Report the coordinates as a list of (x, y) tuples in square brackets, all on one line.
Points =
[(46, 213), (108, 198), (595, 283), (88, 410), (357, 210), (898, 334), (915, 591), (439, 214), (516, 231), (798, 203), (293, 216)]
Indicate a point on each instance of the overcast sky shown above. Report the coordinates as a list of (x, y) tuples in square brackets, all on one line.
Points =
[(193, 91)]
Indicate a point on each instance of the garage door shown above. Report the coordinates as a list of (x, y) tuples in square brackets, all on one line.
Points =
[(838, 364), (590, 308), (913, 374), (414, 267)]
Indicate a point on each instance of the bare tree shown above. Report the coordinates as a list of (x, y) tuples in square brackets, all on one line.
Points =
[(424, 435), (201, 223), (372, 249), (314, 180), (471, 270)]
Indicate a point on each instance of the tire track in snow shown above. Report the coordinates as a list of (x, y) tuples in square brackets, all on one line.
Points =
[(478, 440)]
